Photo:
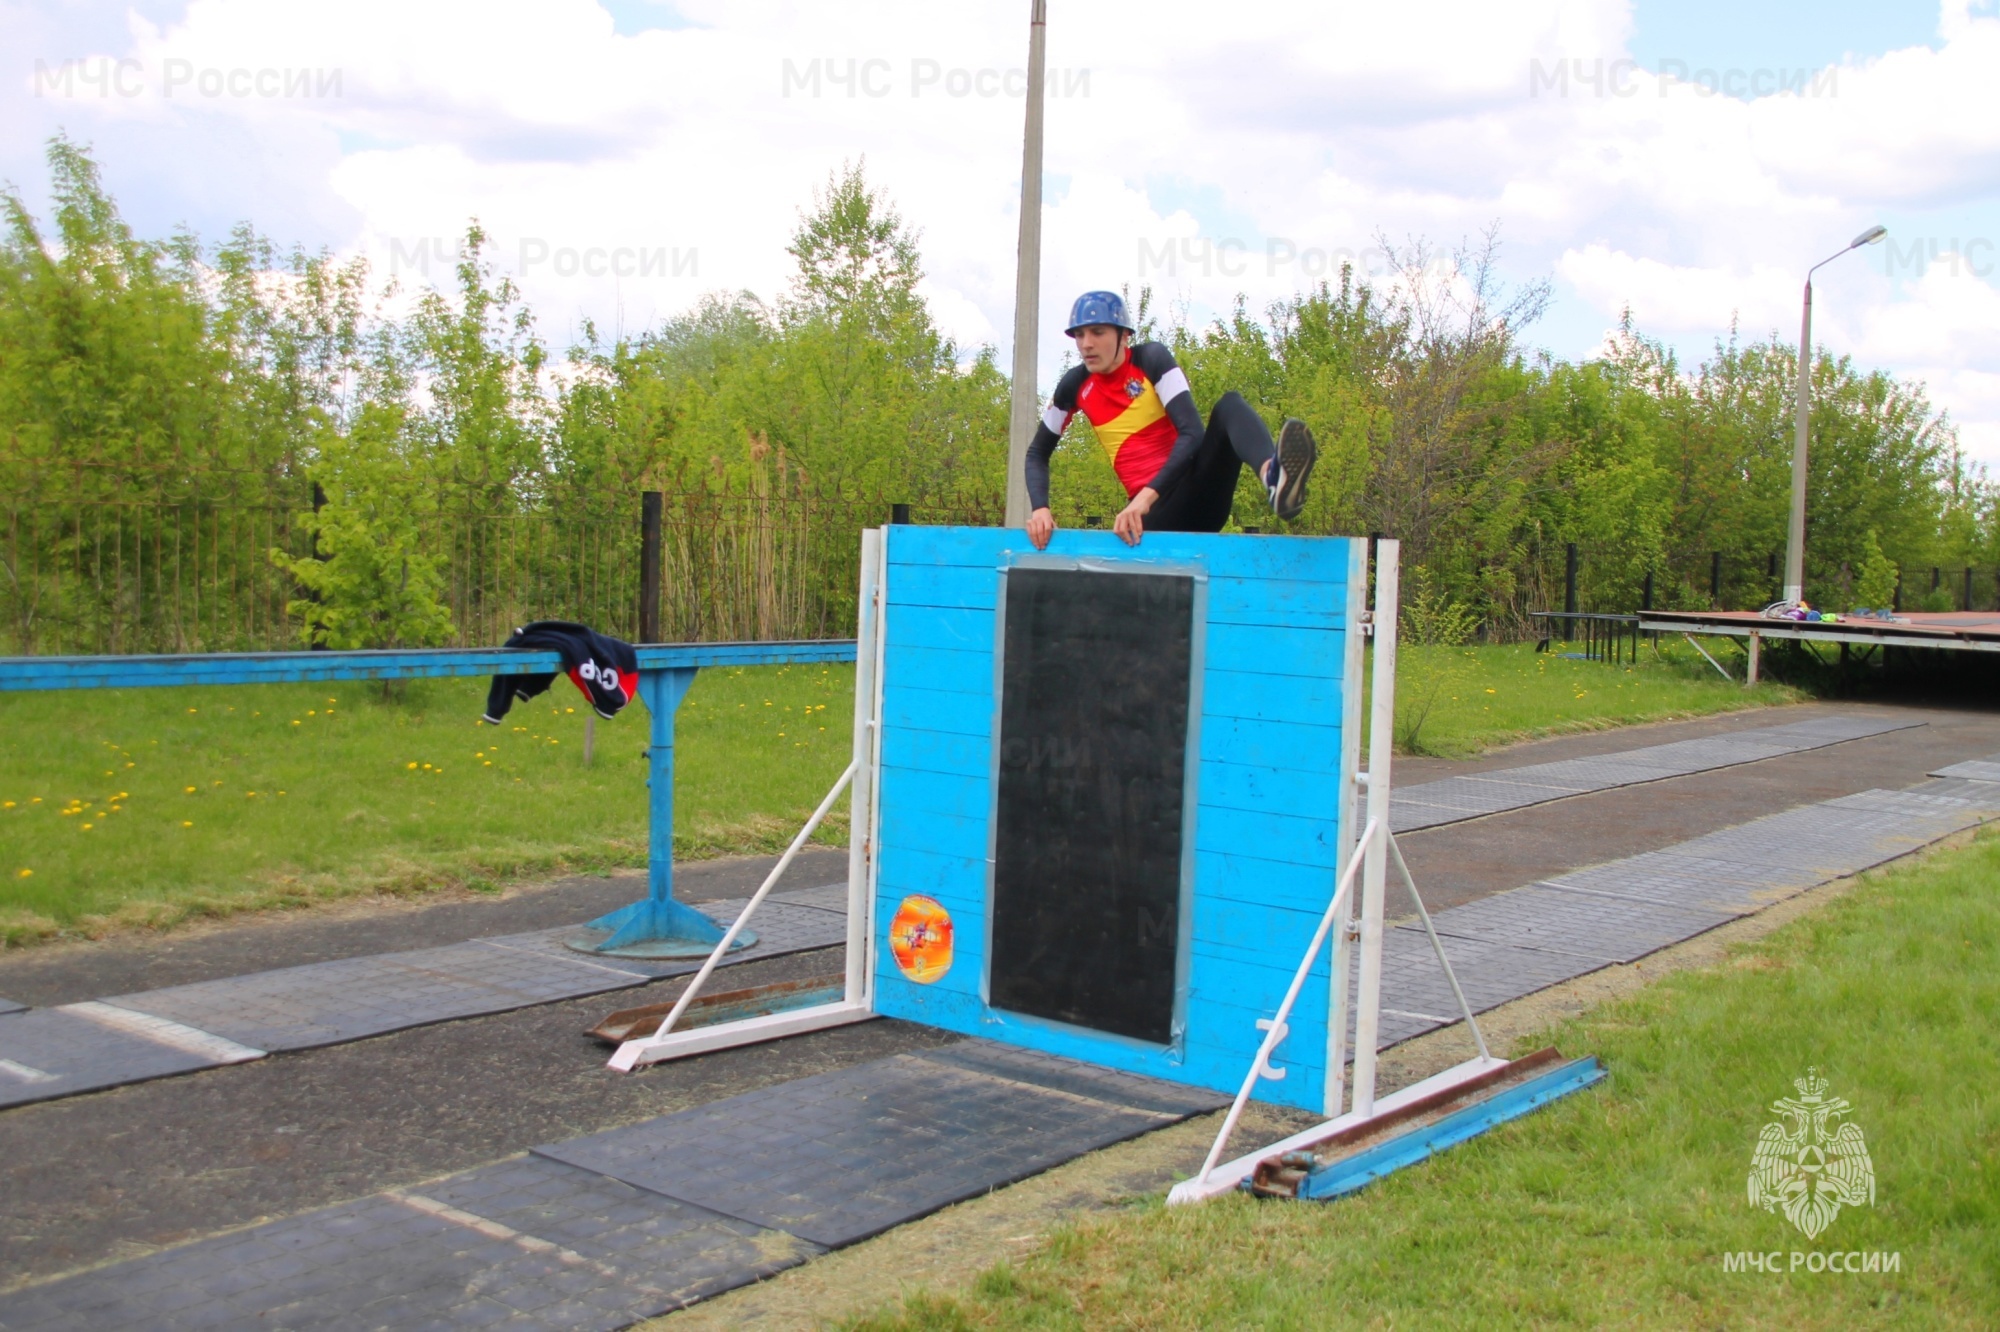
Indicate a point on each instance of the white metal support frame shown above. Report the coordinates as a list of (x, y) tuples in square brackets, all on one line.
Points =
[(1371, 857), (857, 1002)]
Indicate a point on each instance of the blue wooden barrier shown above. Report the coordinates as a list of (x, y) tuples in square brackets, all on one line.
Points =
[(1271, 795), (658, 925)]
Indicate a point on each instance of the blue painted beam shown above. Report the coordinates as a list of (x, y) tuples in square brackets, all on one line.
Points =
[(1338, 1178), (235, 668), (665, 672)]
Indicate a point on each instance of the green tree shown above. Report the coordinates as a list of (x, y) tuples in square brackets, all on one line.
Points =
[(1875, 584)]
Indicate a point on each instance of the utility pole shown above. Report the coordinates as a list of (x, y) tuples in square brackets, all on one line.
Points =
[(1024, 410)]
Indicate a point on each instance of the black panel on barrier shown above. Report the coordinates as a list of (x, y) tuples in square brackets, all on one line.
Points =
[(1092, 777)]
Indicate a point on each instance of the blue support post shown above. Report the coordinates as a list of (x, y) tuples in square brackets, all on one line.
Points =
[(658, 926)]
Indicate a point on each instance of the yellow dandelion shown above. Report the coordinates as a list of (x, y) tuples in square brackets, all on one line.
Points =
[(192, 709), (88, 826), (187, 823), (297, 722), (311, 713), (190, 790), (409, 765), (489, 763), (8, 805), (35, 800), (27, 874), (281, 793)]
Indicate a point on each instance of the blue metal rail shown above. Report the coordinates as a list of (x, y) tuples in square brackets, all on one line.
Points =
[(658, 925)]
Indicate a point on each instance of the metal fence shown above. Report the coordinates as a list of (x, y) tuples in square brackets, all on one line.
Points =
[(97, 575)]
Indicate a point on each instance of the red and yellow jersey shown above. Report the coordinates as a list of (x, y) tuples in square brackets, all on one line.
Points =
[(1142, 411)]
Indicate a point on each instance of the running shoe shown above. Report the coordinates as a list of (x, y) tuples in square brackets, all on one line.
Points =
[(1293, 464)]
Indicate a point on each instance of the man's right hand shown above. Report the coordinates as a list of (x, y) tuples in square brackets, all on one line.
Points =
[(1041, 526)]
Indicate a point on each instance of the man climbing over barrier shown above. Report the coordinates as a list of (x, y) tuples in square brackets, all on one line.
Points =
[(1180, 477)]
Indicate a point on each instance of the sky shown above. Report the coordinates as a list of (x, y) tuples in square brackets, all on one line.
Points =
[(1687, 161)]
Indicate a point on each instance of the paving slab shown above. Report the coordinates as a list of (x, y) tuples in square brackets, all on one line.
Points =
[(1980, 770), (528, 1244), (1604, 928), (51, 1052), (842, 1156), (9, 1006)]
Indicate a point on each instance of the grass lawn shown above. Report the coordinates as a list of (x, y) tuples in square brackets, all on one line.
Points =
[(145, 806), (1454, 702), (1616, 1206)]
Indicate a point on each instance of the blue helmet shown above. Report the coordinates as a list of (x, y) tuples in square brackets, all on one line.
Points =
[(1098, 307)]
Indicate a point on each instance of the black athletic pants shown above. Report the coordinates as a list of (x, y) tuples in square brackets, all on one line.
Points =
[(1200, 501)]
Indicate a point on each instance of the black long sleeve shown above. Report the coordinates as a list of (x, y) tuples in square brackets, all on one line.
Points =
[(1062, 406)]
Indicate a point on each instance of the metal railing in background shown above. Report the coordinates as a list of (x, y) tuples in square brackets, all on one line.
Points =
[(1608, 638)]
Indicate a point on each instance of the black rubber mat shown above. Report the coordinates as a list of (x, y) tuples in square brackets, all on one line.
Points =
[(1455, 799), (1055, 1073), (841, 1156), (1606, 928), (326, 1003), (529, 1244), (1979, 770)]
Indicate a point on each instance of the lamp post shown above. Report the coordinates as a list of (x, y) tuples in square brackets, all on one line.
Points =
[(1795, 540)]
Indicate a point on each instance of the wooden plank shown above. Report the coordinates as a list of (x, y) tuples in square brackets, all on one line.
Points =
[(1255, 930), (907, 708), (939, 627), (920, 830), (954, 670), (938, 751), (1293, 559), (1279, 602), (1270, 790), (946, 586), (1295, 746), (1317, 653), (227, 668), (1273, 836), (1244, 878), (953, 794), (958, 881), (1263, 697)]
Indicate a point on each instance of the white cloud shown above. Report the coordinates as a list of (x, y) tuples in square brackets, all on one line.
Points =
[(1282, 137)]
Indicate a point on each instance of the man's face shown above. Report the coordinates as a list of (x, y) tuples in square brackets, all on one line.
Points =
[(1100, 346)]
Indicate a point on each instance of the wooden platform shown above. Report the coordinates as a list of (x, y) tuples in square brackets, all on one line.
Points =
[(1970, 631)]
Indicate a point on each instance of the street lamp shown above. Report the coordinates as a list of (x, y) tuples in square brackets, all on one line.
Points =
[(1795, 540)]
